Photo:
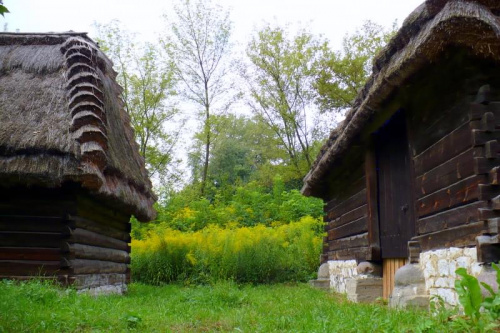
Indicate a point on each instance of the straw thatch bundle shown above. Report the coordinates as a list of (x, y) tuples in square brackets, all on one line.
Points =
[(62, 120), (433, 27)]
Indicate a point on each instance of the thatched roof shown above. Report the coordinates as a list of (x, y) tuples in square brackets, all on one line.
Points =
[(426, 33), (62, 121)]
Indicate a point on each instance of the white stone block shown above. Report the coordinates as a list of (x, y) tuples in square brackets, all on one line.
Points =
[(464, 262), (448, 295), (430, 269), (441, 283), (471, 252), (453, 268), (430, 283), (443, 267), (455, 252)]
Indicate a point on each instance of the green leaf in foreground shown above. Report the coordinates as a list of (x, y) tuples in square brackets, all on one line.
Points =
[(3, 10)]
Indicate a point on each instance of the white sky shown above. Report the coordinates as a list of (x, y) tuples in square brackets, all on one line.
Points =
[(331, 18)]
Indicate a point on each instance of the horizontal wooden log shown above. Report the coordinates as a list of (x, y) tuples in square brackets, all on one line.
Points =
[(450, 218), (29, 253), (31, 223), (22, 204), (460, 193), (106, 230), (97, 280), (350, 229), (491, 149), (79, 251), (480, 137), (493, 226), (487, 191), (445, 149), (30, 239), (86, 237), (494, 176), (488, 122), (26, 267), (93, 210), (349, 217), (483, 165), (356, 201), (461, 236), (477, 111), (61, 277), (446, 174), (338, 196), (358, 253), (495, 203), (349, 242), (83, 266)]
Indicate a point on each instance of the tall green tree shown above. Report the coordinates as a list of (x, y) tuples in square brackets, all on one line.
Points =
[(149, 97), (343, 73), (241, 148), (280, 81), (198, 45)]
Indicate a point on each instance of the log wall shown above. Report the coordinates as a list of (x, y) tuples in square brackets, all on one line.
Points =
[(346, 218), (63, 234), (452, 185)]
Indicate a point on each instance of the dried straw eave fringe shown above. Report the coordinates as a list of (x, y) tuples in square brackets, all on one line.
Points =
[(432, 27), (50, 133)]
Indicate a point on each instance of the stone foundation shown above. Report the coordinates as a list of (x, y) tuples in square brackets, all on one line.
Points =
[(341, 271), (415, 284), (364, 289), (409, 288), (439, 268)]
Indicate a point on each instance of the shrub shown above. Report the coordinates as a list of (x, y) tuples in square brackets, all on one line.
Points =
[(257, 254)]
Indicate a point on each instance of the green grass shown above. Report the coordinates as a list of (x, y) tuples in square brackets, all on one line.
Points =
[(224, 307)]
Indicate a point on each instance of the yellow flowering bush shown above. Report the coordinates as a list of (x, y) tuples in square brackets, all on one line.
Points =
[(258, 254)]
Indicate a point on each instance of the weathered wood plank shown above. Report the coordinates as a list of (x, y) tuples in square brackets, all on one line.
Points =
[(86, 237), (349, 242), (480, 137), (353, 215), (90, 209), (80, 222), (459, 167), (31, 223), (445, 149), (356, 201), (79, 251), (354, 188), (491, 149), (461, 236), (83, 266), (460, 193), (22, 267), (29, 253), (30, 239), (450, 218), (358, 253), (353, 228)]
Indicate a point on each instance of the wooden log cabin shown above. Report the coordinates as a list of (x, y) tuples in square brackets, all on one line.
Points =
[(71, 175), (413, 169)]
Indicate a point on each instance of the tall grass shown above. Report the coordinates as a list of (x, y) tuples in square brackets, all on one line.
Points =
[(256, 254)]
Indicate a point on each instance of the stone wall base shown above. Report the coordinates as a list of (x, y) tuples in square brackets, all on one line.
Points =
[(364, 289), (409, 288)]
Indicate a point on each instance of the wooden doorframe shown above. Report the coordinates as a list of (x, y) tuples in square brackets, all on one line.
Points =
[(373, 195)]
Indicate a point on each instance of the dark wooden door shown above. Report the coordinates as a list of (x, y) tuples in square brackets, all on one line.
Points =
[(396, 211)]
